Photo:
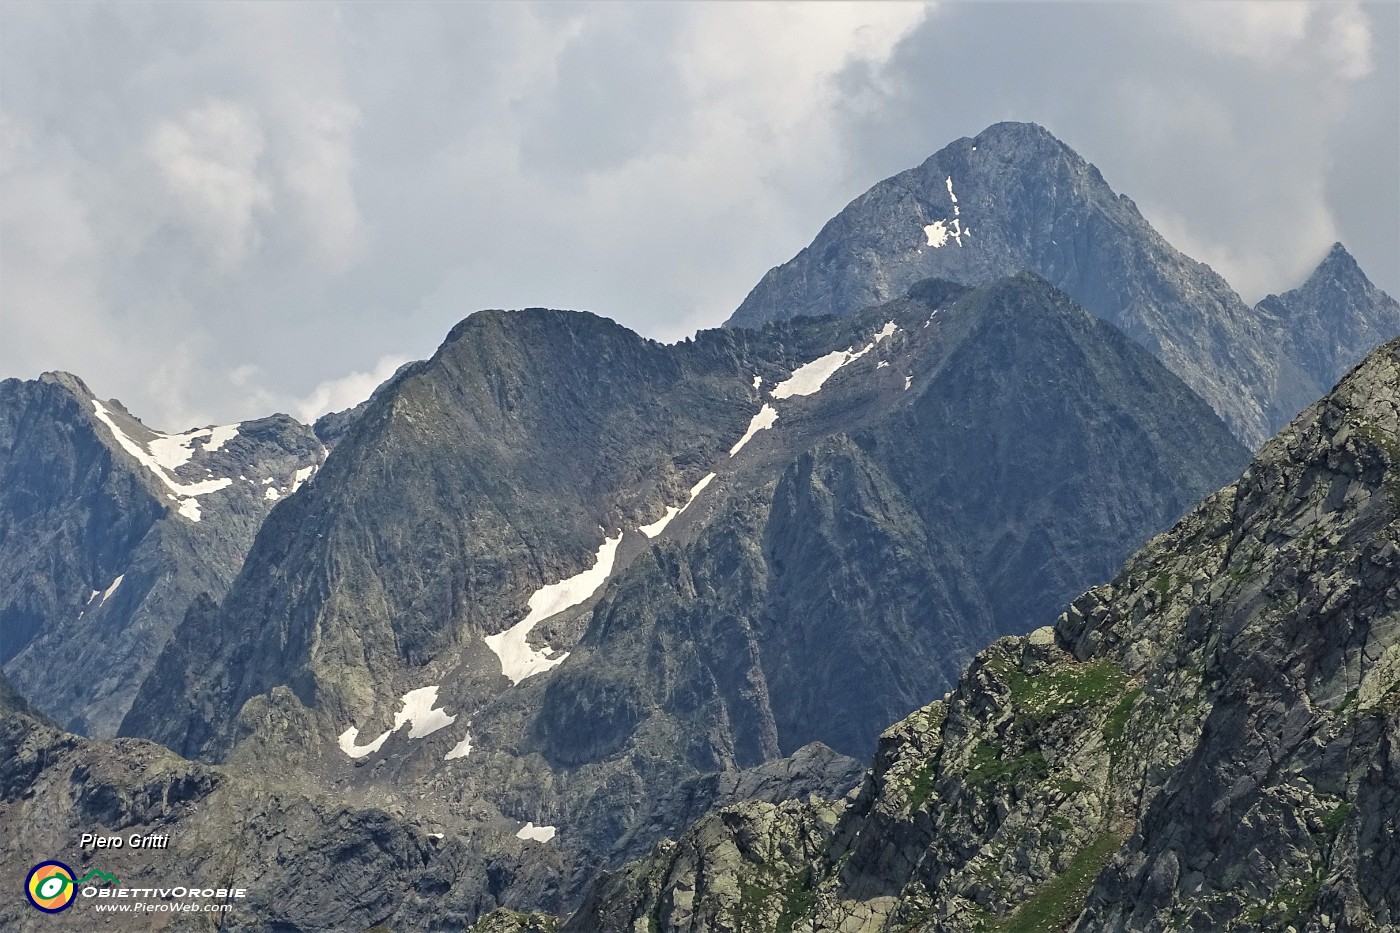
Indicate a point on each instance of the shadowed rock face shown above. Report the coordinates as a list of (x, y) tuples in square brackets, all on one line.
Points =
[(1031, 203), (99, 560), (1207, 742)]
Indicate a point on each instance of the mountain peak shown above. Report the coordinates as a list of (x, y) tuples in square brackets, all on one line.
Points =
[(68, 381), (1012, 133), (1017, 198), (1337, 264), (1335, 317)]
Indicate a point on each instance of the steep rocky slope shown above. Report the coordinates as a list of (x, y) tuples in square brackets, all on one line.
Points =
[(109, 530), (1015, 198), (1208, 742)]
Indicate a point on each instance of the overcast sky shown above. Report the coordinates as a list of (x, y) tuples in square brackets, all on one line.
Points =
[(214, 211)]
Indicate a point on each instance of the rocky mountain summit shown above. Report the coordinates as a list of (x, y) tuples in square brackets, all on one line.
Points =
[(110, 530), (1208, 742), (1016, 198)]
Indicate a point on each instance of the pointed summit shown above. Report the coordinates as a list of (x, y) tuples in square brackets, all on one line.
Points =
[(1331, 321), (1338, 266), (1016, 198)]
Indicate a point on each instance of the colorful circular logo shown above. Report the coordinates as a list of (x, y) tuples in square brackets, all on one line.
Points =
[(50, 887)]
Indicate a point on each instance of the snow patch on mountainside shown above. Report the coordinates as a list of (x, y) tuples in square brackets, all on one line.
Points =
[(163, 454), (416, 709), (537, 833), (939, 233), (219, 435), (173, 451), (656, 527), (350, 736), (112, 588), (518, 659), (301, 476), (761, 421), (696, 489), (809, 378), (461, 750)]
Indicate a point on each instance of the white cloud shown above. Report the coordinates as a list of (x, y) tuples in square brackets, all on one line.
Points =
[(317, 173), (1331, 39), (346, 391), (294, 59), (209, 159), (1348, 42)]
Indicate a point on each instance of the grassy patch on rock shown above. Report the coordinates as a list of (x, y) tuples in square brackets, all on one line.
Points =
[(1061, 899), (1041, 697)]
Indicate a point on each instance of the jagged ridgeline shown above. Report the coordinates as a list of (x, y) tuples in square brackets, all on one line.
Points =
[(1208, 742), (560, 591), (1014, 197)]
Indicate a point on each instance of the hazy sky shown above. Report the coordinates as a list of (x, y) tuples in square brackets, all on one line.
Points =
[(213, 211)]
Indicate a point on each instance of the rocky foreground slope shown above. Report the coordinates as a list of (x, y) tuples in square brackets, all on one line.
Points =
[(1209, 742)]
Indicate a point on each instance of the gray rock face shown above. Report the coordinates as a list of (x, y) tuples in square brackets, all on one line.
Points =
[(1334, 318), (1206, 743), (1026, 201), (99, 555), (981, 456)]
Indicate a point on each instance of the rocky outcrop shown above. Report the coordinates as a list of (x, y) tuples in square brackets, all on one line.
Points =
[(1206, 742), (307, 860)]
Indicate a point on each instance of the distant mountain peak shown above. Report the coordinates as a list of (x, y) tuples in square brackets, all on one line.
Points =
[(1334, 318), (1013, 198), (68, 381), (1338, 264)]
